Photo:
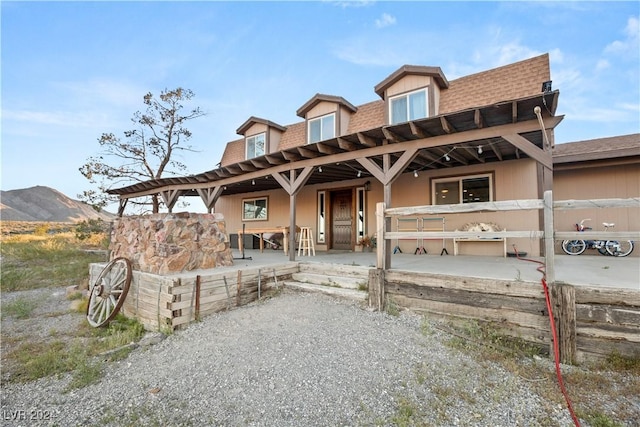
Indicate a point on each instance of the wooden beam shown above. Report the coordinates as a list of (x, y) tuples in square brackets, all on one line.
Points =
[(366, 140), (392, 136), (446, 126), (291, 157), (210, 195), (301, 180), (514, 112), (170, 197), (283, 181), (417, 131), (426, 143), (274, 160), (477, 119), (372, 168), (307, 153), (259, 164), (541, 156), (346, 145), (247, 166), (327, 149)]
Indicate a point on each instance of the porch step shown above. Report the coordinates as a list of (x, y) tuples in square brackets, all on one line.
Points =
[(330, 280), (352, 294), (337, 270)]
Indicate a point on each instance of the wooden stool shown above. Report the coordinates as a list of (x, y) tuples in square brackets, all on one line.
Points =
[(306, 242)]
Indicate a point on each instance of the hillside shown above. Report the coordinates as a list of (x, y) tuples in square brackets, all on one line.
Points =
[(45, 204)]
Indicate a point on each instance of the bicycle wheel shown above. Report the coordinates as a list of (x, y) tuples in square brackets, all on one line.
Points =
[(617, 248), (574, 247)]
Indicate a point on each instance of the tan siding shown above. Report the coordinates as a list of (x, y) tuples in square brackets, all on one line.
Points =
[(598, 183), (274, 140), (512, 180), (321, 109), (408, 84)]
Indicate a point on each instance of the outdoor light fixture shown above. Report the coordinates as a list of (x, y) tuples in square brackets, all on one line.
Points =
[(546, 87), (367, 186), (320, 169), (253, 182), (479, 149), (415, 174), (446, 157), (359, 174)]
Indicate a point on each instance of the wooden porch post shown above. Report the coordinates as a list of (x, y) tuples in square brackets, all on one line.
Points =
[(549, 242), (563, 301)]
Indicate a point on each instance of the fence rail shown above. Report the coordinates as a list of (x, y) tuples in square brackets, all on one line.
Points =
[(577, 319)]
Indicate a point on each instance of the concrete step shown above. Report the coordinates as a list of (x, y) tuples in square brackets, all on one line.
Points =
[(330, 280), (341, 270), (352, 294)]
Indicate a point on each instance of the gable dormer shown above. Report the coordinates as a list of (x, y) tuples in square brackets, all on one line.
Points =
[(412, 92), (326, 117), (260, 136)]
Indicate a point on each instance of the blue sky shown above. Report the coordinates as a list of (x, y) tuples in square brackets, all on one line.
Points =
[(73, 70)]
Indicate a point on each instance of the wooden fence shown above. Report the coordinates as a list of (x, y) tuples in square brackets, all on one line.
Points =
[(589, 321), (167, 302)]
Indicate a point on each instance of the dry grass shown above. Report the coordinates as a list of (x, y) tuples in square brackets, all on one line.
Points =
[(604, 393)]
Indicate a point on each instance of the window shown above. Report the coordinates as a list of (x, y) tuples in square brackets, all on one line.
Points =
[(256, 146), (321, 216), (255, 209), (361, 225), (322, 128), (470, 189), (410, 106)]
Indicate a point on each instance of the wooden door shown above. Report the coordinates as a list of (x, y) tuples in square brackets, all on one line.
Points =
[(341, 219)]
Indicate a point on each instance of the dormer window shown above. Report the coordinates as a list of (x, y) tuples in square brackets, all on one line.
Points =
[(409, 106), (322, 128), (256, 145)]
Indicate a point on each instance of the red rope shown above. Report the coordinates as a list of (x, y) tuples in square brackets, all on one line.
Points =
[(554, 337)]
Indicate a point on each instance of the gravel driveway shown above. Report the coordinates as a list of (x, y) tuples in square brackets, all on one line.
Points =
[(296, 359)]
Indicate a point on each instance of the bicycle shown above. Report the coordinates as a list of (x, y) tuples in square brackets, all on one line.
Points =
[(604, 247)]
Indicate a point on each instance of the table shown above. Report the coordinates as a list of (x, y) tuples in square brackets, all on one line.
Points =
[(260, 231)]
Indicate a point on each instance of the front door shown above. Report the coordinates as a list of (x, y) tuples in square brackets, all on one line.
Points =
[(341, 219)]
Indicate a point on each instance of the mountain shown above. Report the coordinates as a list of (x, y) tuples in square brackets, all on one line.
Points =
[(45, 204)]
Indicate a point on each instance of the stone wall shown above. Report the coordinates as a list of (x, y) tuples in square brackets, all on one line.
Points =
[(172, 243)]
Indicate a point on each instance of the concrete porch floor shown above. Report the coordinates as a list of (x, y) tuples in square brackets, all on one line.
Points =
[(583, 270)]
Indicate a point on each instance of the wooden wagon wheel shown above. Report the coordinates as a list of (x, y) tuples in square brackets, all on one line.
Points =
[(108, 293)]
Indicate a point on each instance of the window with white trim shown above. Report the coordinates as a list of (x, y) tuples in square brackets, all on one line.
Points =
[(322, 205), (255, 209), (409, 106), (322, 128), (467, 189), (256, 145)]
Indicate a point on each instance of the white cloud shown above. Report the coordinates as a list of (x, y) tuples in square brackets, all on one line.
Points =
[(629, 45), (603, 64), (385, 21)]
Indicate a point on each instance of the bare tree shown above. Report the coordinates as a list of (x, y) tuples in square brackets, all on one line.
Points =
[(147, 152)]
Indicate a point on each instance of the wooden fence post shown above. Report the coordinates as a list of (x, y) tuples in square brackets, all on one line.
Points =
[(563, 300), (549, 242), (376, 289)]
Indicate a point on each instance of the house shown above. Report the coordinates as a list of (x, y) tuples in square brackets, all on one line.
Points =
[(427, 140), (601, 168)]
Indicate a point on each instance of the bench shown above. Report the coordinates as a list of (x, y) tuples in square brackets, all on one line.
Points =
[(479, 238)]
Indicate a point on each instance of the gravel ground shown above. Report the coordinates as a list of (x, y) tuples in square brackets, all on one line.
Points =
[(297, 359)]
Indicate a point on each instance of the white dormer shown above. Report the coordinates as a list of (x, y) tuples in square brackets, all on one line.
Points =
[(325, 117), (411, 92), (261, 136)]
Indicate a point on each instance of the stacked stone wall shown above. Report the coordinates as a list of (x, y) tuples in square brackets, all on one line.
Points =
[(172, 243)]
